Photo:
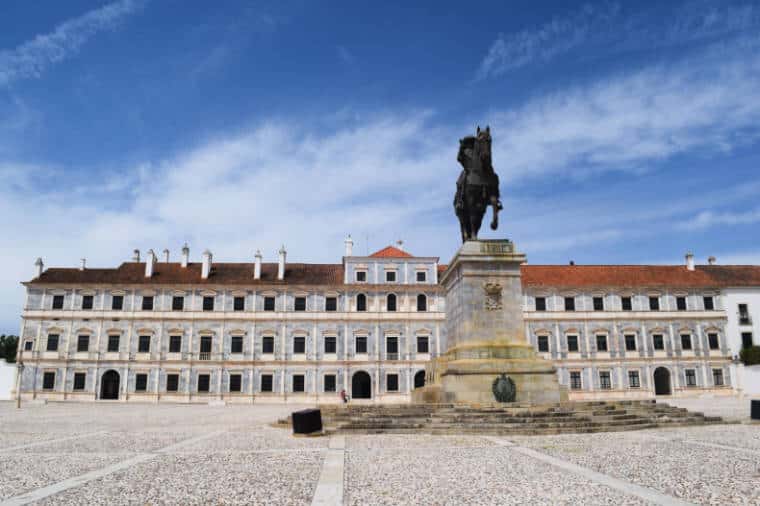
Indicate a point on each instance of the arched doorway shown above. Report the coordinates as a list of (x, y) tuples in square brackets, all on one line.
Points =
[(419, 379), (361, 386), (109, 385), (661, 381)]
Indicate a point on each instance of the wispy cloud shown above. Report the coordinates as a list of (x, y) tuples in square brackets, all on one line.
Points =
[(605, 29), (31, 58), (708, 218)]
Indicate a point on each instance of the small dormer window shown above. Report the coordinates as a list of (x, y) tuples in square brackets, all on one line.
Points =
[(390, 276), (57, 301), (709, 303), (300, 304), (208, 303), (117, 302), (87, 302), (147, 303), (361, 276)]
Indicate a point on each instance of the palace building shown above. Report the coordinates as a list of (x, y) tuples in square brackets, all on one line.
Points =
[(161, 331)]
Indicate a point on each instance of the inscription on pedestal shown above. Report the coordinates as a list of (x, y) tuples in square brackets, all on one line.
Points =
[(496, 248)]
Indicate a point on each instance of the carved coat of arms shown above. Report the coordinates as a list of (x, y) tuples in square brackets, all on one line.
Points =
[(493, 296), (504, 389)]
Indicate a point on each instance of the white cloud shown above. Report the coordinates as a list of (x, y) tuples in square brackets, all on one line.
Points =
[(706, 219), (31, 58)]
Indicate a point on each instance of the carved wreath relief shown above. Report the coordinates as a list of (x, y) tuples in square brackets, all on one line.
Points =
[(493, 296)]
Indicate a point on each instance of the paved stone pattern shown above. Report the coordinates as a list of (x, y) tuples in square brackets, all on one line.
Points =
[(231, 455)]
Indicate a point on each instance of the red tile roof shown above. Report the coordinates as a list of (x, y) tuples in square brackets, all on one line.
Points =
[(391, 252), (677, 276)]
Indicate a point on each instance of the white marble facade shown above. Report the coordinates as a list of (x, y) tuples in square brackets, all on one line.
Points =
[(367, 325)]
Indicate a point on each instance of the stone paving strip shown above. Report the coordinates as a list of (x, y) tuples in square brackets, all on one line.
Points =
[(330, 486), (626, 487), (76, 481), (50, 441)]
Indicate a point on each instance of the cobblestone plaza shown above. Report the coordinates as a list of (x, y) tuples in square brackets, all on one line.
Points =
[(180, 454)]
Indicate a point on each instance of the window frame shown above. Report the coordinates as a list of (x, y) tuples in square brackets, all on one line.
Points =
[(658, 338), (711, 305), (238, 299), (426, 340), (569, 303), (141, 339), (203, 380), (175, 339), (576, 380), (422, 305), (690, 375), (420, 276), (238, 378), (178, 302), (208, 302), (361, 273), (299, 343), (236, 341), (147, 303), (270, 303), (392, 382), (713, 340), (117, 302), (58, 301), (576, 343), (332, 341), (634, 383), (331, 307), (47, 375), (605, 380), (88, 302), (172, 382), (361, 302), (684, 306), (542, 338), (600, 300), (325, 385), (299, 380), (139, 377), (686, 338), (722, 381), (80, 382), (267, 340), (604, 339), (53, 338), (363, 340), (628, 339), (391, 273), (109, 344), (654, 302), (299, 303), (266, 380), (80, 339), (391, 303), (542, 306), (626, 303)]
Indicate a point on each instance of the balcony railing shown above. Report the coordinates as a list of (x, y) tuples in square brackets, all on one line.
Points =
[(391, 356), (204, 355), (744, 319)]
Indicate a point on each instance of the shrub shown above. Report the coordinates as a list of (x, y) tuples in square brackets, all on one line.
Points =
[(750, 356)]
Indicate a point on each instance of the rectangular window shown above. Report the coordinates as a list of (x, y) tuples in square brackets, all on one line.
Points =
[(391, 382), (269, 303), (743, 314), (52, 342), (658, 343), (236, 383), (575, 380), (178, 303), (28, 345), (601, 342), (48, 380), (206, 342), (238, 303), (172, 382), (654, 303), (267, 383), (361, 302), (681, 303), (330, 383), (330, 344), (113, 343), (141, 382), (300, 304), (147, 303), (391, 344), (83, 343), (685, 341), (569, 303), (361, 276), (208, 303), (598, 303), (331, 303), (605, 383), (540, 303), (87, 301), (361, 344), (626, 303), (543, 343), (691, 378), (633, 379), (267, 344), (572, 343), (175, 344), (423, 344), (421, 276), (57, 301), (236, 344), (203, 382), (299, 385), (299, 344), (630, 342), (747, 340), (421, 302), (117, 302), (717, 377), (390, 276), (712, 340), (390, 304), (143, 345), (709, 302), (79, 380)]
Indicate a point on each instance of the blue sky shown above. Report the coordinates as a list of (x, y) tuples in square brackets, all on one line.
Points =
[(623, 132)]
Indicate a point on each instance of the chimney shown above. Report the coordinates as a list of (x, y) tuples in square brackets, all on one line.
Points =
[(349, 246), (136, 256), (166, 256), (185, 255), (149, 261), (40, 267), (206, 266), (690, 261), (572, 262), (257, 265), (711, 260), (281, 263), (83, 264)]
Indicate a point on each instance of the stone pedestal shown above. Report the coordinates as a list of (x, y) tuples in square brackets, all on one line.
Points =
[(486, 332)]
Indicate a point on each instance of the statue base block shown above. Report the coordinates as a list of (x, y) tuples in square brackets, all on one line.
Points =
[(486, 333)]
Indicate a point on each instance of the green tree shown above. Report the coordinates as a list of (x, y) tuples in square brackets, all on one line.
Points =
[(8, 347)]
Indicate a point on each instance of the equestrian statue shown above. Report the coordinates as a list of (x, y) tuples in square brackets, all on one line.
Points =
[(477, 186)]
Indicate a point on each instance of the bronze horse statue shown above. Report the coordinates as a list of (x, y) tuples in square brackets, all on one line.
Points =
[(477, 186)]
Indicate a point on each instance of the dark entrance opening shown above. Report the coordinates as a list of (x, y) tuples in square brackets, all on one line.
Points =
[(661, 381), (419, 379), (109, 385), (361, 386)]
